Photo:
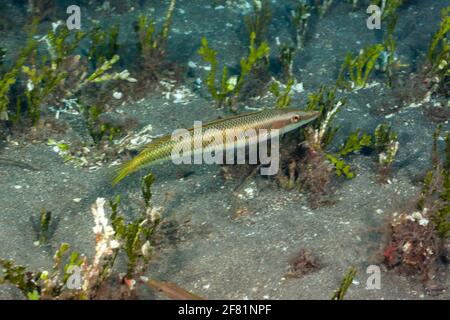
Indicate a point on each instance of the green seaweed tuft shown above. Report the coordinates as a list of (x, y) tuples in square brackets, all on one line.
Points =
[(300, 20), (10, 77), (340, 293), (44, 223), (258, 22), (355, 142), (231, 86), (146, 186), (283, 98), (386, 145), (103, 44), (341, 168), (136, 236), (151, 44), (358, 68), (439, 52)]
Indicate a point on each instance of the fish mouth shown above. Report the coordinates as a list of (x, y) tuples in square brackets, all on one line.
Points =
[(305, 118), (309, 115)]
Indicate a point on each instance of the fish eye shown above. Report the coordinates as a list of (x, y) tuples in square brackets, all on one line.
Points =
[(295, 118)]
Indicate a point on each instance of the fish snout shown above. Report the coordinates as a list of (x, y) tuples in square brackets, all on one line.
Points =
[(307, 116)]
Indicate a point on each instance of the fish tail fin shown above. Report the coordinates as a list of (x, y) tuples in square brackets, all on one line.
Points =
[(159, 149), (123, 171), (131, 166)]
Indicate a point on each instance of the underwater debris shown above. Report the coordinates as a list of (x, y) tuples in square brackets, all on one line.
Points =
[(106, 144), (231, 86), (340, 293), (64, 151), (137, 140), (302, 264)]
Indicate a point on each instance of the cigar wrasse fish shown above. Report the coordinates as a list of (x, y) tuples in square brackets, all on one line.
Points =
[(284, 120)]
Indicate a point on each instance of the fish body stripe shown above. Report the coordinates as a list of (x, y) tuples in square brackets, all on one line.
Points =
[(224, 133)]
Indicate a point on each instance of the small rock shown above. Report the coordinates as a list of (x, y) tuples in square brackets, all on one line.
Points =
[(117, 95), (355, 282)]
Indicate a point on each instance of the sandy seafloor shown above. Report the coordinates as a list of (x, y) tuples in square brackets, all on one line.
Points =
[(214, 255)]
